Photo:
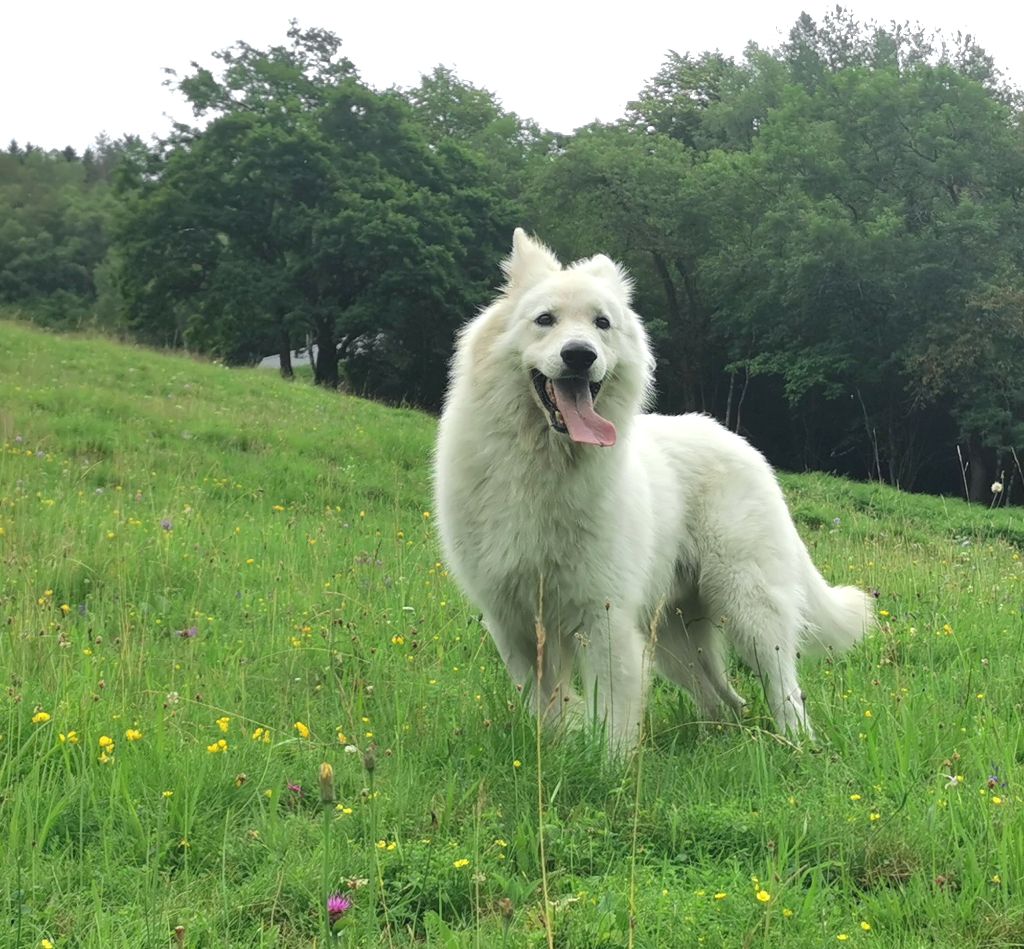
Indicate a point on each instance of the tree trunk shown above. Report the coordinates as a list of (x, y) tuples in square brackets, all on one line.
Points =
[(696, 337), (683, 383), (325, 368), (285, 355), (978, 472)]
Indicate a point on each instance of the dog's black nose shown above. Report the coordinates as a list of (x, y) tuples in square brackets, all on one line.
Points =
[(579, 357)]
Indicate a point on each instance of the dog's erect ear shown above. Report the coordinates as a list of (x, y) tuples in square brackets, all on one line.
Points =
[(606, 269), (529, 262)]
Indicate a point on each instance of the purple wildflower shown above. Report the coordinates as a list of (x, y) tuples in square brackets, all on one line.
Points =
[(189, 633), (295, 788), (167, 524), (995, 779), (337, 905)]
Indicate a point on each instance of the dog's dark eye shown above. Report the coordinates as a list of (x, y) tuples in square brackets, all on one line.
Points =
[(603, 323), (545, 319)]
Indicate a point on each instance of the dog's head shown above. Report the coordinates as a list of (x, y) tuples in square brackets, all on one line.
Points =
[(580, 348)]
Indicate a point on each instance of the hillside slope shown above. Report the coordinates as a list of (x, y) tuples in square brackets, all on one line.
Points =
[(212, 581)]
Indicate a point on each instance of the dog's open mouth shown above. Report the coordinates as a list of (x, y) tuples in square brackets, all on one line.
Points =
[(569, 402)]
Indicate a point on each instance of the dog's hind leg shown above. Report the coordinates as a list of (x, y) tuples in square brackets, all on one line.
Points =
[(776, 666), (690, 653), (764, 630)]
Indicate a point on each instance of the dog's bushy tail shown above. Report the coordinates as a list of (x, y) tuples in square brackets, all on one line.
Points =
[(836, 617)]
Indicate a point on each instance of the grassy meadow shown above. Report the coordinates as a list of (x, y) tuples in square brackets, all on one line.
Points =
[(212, 582)]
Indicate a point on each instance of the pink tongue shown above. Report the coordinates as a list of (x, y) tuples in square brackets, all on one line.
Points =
[(572, 396)]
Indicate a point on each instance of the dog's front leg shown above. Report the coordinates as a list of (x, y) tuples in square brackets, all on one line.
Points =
[(616, 664), (543, 669)]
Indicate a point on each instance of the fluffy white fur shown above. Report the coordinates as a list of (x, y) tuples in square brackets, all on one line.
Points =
[(656, 551)]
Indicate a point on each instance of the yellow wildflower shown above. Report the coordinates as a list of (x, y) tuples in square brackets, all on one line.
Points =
[(303, 729), (40, 718)]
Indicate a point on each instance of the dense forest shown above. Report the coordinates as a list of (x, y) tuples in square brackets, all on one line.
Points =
[(827, 237)]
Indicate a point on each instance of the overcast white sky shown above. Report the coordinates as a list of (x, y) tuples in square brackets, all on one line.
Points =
[(69, 71)]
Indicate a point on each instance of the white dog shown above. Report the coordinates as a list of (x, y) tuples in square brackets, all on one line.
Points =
[(614, 537)]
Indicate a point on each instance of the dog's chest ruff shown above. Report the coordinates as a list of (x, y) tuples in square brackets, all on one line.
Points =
[(525, 521)]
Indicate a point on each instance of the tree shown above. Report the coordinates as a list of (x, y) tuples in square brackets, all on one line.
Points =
[(972, 362), (53, 234), (642, 198), (311, 206), (709, 101), (889, 200)]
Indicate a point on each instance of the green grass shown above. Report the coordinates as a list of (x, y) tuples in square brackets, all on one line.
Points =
[(144, 495)]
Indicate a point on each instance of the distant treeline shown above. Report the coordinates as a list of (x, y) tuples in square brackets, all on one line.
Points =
[(827, 237)]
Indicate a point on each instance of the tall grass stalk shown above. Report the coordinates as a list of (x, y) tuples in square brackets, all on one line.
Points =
[(541, 635)]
